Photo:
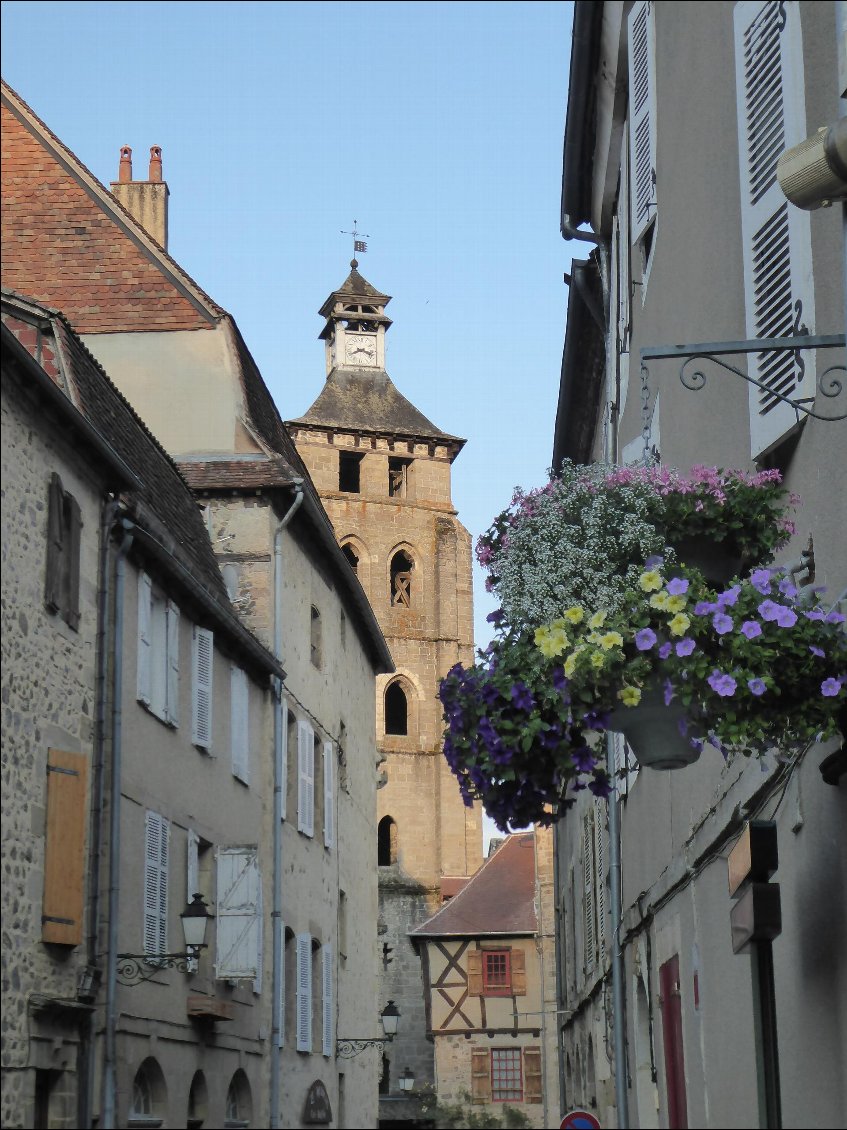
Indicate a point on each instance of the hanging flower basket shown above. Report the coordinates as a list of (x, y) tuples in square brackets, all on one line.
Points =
[(659, 730)]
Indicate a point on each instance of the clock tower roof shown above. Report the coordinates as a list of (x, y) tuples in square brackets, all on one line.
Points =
[(355, 293)]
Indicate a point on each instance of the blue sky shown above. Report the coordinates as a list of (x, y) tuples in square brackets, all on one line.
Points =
[(438, 126)]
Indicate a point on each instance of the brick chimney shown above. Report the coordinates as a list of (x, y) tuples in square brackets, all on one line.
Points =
[(145, 200)]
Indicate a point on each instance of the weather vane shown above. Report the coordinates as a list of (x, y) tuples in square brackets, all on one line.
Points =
[(359, 245)]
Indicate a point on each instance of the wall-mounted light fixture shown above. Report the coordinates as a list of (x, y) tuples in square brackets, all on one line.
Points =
[(390, 1017), (134, 968)]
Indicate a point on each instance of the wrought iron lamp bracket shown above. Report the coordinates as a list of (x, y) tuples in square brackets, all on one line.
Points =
[(346, 1049), (135, 968), (829, 385)]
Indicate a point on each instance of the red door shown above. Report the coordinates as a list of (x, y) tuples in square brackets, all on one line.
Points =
[(671, 1003)]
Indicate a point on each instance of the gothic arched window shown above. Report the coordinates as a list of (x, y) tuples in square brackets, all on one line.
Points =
[(401, 579), (396, 710), (386, 842)]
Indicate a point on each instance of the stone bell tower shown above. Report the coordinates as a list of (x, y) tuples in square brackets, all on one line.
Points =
[(383, 473)]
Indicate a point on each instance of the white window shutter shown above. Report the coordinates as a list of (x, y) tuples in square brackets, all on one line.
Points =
[(202, 697), (239, 703), (238, 908), (329, 795), (624, 268), (283, 752), (642, 116), (172, 700), (260, 939), (192, 869), (305, 778), (145, 610), (304, 992), (600, 865), (776, 237), (327, 999), (280, 1041), (156, 837), (589, 937)]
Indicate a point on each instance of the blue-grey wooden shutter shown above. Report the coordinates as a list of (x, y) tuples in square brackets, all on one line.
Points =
[(305, 778), (238, 926), (327, 999), (239, 713), (304, 992), (329, 795), (145, 610), (156, 843), (776, 237), (172, 673), (202, 696), (642, 116)]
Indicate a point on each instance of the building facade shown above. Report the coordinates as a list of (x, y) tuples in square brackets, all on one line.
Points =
[(677, 117), (383, 473), (292, 777)]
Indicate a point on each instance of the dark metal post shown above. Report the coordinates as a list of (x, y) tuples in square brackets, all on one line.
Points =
[(767, 1046)]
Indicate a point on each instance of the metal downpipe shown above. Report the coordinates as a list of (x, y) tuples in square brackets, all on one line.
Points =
[(110, 1051), (279, 785)]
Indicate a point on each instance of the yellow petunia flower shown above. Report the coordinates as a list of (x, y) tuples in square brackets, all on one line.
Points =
[(676, 603), (651, 580), (598, 659), (561, 624), (679, 625), (597, 620), (630, 696), (570, 665), (659, 600), (574, 615), (553, 643), (610, 640)]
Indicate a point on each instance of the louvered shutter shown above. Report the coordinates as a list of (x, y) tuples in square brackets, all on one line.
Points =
[(260, 938), (238, 926), (532, 1075), (156, 843), (145, 611), (55, 543), (327, 999), (239, 703), (329, 795), (280, 1040), (71, 610), (305, 778), (776, 237), (192, 864), (589, 936), (283, 768), (624, 285), (172, 692), (201, 724), (475, 986), (304, 993), (600, 865), (480, 1076), (642, 117), (517, 964)]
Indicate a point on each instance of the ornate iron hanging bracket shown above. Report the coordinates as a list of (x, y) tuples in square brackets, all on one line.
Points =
[(829, 384), (346, 1049), (135, 968)]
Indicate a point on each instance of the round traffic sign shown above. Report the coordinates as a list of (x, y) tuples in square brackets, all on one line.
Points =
[(579, 1120)]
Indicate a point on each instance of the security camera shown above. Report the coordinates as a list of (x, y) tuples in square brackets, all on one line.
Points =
[(814, 173)]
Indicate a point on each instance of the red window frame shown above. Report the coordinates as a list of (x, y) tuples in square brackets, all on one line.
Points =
[(497, 973), (506, 1075)]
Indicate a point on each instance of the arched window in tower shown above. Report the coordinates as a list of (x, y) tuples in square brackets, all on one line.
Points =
[(386, 842), (396, 710), (352, 557), (398, 477), (316, 639), (401, 579)]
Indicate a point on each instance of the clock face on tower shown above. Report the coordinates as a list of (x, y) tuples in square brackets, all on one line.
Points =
[(360, 349)]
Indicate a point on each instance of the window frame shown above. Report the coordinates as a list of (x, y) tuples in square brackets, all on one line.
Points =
[(514, 1055), (497, 987)]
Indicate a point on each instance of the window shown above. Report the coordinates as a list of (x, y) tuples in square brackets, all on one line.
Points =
[(386, 842), (305, 779), (158, 652), (304, 992), (202, 688), (239, 1102), (157, 832), (349, 472), (239, 714), (352, 557), (496, 973), (506, 1075), (396, 710), (149, 1095), (316, 639), (401, 579), (64, 848), (64, 527), (398, 477), (776, 237), (239, 915), (198, 1102)]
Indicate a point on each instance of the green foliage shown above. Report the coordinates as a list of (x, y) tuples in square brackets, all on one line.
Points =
[(464, 1114)]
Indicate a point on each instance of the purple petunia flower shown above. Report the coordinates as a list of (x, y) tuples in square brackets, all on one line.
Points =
[(496, 617), (818, 651), (722, 684), (760, 579), (685, 646), (722, 623), (787, 588), (751, 629), (600, 786), (815, 614), (560, 683), (669, 692), (665, 650), (834, 618), (677, 586), (704, 607), (830, 687), (522, 696), (756, 686), (786, 618), (583, 759), (769, 609), (654, 562), (645, 639), (728, 598)]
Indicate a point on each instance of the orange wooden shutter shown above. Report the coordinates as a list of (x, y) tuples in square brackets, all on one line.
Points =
[(532, 1075), (475, 973), (64, 848), (480, 1076), (518, 973)]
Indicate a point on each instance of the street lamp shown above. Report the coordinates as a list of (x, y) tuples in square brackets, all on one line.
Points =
[(346, 1048), (407, 1080), (134, 968)]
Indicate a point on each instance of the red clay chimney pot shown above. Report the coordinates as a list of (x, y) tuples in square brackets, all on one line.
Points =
[(125, 167), (155, 163)]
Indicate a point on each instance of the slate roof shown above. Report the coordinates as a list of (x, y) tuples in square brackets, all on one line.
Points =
[(355, 285), (498, 899), (163, 504)]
